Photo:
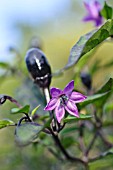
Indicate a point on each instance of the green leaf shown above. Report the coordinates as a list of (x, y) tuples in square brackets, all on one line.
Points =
[(68, 141), (107, 11), (5, 123), (34, 110), (89, 41), (24, 109), (4, 65), (27, 133), (73, 118), (107, 87), (92, 99), (69, 130), (108, 107)]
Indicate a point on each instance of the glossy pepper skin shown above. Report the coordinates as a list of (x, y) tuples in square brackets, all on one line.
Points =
[(38, 67)]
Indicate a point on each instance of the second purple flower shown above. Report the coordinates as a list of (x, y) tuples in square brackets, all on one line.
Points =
[(64, 100)]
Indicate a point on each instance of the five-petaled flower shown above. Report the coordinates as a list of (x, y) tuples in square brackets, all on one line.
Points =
[(93, 7), (64, 100)]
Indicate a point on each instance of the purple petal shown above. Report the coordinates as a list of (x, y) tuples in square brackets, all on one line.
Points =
[(55, 92), (77, 97), (69, 88), (52, 104), (72, 109), (93, 8), (60, 112), (88, 18), (98, 21), (87, 6)]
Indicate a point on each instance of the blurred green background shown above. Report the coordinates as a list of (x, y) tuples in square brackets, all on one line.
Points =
[(58, 33)]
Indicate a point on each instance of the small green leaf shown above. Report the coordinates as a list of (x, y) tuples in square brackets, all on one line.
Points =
[(5, 123), (92, 99), (73, 118), (27, 133), (68, 141), (69, 130), (34, 110), (24, 109), (107, 11)]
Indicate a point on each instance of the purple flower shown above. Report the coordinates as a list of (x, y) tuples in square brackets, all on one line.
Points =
[(93, 8), (64, 100)]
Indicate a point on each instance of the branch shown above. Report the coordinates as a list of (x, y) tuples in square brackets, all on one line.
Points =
[(102, 155), (105, 140), (91, 144), (58, 143)]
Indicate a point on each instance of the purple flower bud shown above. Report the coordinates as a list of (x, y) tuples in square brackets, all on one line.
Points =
[(93, 8)]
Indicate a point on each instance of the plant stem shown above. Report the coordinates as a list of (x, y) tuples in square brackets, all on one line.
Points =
[(47, 96), (58, 143), (102, 155), (91, 144)]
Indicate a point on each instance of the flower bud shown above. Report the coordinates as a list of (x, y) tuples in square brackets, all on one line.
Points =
[(86, 80), (38, 67)]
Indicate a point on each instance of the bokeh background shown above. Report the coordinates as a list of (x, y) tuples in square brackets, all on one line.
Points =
[(57, 25)]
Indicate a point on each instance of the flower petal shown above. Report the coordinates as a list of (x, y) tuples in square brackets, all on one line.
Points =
[(68, 89), (95, 8), (98, 21), (87, 6), (88, 18), (77, 97), (52, 104), (55, 92), (72, 109), (60, 112)]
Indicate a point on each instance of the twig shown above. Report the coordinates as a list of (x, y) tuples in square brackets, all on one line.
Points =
[(58, 143), (109, 145), (81, 134), (102, 155), (91, 144)]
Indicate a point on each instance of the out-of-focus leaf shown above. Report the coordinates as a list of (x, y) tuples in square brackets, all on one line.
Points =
[(88, 42), (30, 93), (73, 118), (68, 130), (4, 65), (107, 65), (27, 133), (107, 11), (107, 87), (34, 110), (92, 99), (47, 124), (5, 123), (105, 162), (24, 109), (68, 141), (95, 67), (102, 157), (108, 107)]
